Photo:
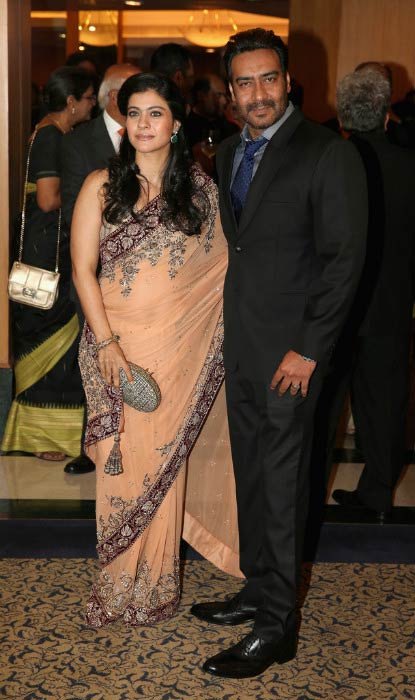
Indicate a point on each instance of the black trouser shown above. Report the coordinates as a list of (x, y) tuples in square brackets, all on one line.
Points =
[(271, 440), (380, 394), (376, 372)]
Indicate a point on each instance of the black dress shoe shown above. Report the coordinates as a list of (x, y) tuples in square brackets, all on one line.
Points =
[(350, 499), (79, 465), (251, 656), (347, 498), (229, 612)]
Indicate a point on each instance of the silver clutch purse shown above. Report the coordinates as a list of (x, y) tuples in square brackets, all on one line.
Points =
[(143, 393)]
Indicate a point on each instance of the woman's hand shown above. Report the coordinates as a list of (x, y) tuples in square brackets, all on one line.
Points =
[(111, 359)]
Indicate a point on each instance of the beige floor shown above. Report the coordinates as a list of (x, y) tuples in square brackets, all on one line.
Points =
[(32, 478)]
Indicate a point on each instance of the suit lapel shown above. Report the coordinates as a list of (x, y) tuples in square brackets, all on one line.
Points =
[(271, 162), (225, 177), (102, 141)]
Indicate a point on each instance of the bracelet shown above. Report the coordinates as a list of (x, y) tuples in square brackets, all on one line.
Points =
[(307, 359), (103, 344)]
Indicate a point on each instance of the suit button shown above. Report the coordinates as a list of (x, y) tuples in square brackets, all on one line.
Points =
[(238, 248)]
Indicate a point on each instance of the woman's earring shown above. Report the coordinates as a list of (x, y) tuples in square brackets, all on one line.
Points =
[(73, 110), (174, 137)]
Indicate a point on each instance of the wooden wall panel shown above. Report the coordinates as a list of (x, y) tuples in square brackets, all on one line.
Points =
[(4, 188), (15, 95), (379, 30), (328, 38), (313, 47)]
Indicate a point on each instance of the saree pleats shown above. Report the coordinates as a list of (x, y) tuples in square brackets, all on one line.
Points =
[(162, 292), (43, 429), (36, 364), (40, 421)]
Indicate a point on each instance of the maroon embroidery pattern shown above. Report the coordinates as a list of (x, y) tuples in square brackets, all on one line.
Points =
[(140, 517)]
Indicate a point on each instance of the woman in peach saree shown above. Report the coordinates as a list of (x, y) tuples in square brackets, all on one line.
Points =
[(152, 220)]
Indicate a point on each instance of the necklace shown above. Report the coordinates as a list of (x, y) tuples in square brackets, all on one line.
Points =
[(56, 123)]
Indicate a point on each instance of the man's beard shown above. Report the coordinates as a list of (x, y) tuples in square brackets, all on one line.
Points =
[(278, 107)]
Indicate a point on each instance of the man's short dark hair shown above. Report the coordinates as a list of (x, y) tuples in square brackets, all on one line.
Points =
[(251, 40), (363, 100), (200, 85), (169, 58)]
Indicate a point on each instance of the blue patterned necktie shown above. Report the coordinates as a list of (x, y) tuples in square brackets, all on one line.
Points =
[(243, 177)]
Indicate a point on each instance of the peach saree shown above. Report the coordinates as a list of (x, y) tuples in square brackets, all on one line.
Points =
[(162, 292)]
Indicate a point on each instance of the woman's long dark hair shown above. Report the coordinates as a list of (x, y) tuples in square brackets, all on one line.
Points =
[(184, 206)]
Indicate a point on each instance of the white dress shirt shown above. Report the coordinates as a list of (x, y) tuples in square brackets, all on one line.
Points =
[(113, 127)]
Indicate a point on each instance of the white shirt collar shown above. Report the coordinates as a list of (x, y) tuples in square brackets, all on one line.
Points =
[(112, 128)]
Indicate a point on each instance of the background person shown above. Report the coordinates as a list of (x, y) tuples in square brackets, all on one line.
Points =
[(84, 150), (46, 415), (373, 352), (174, 61)]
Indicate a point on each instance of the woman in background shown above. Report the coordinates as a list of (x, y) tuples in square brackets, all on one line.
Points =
[(46, 415)]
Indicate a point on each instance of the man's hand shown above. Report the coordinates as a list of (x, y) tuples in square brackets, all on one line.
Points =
[(293, 373)]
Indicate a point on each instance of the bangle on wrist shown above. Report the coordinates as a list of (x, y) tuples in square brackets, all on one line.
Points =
[(114, 338)]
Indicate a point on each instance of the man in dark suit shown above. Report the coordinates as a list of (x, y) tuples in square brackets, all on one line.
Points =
[(294, 214), (374, 347), (175, 61), (86, 149)]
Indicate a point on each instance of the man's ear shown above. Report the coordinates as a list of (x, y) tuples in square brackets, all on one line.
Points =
[(385, 124), (288, 81), (177, 78), (231, 91), (113, 94)]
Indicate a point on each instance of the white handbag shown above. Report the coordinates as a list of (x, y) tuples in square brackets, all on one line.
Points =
[(28, 284)]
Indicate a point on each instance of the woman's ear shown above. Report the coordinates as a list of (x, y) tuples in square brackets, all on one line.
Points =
[(176, 125)]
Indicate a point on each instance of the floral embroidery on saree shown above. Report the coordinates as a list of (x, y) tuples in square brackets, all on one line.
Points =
[(139, 602), (131, 242), (137, 517)]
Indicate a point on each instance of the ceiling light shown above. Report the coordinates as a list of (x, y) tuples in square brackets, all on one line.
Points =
[(133, 3), (99, 28), (209, 28)]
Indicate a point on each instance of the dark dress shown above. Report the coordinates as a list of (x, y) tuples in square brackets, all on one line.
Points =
[(46, 414)]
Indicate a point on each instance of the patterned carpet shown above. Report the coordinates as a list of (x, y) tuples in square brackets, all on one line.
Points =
[(356, 641)]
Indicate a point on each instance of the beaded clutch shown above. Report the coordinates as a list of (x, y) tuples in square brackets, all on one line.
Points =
[(143, 393)]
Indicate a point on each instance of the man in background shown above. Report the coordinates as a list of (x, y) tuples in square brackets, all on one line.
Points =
[(86, 149), (373, 352), (209, 102), (206, 125), (175, 62)]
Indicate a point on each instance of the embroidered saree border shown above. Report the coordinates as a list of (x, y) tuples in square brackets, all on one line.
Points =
[(37, 363), (133, 617), (140, 517), (114, 246)]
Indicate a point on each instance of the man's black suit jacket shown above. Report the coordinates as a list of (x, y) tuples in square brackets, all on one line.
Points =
[(296, 256), (384, 300), (87, 148)]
